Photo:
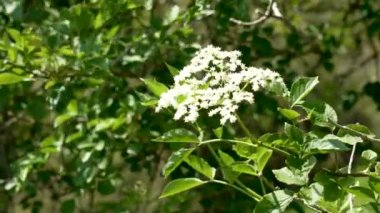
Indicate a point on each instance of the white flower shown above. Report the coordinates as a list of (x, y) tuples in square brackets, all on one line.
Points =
[(217, 81)]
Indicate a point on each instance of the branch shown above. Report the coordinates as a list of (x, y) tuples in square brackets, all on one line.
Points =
[(355, 132), (339, 174), (268, 13)]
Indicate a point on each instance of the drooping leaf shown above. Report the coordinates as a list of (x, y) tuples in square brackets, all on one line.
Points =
[(300, 88), (180, 185), (155, 87), (175, 160), (275, 202), (178, 136), (201, 166)]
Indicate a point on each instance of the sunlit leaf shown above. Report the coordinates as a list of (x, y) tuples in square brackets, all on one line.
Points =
[(175, 160), (180, 185), (178, 135)]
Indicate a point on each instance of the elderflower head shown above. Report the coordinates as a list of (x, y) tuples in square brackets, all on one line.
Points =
[(217, 81)]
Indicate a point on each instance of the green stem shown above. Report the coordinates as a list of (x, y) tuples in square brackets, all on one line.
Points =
[(253, 193), (245, 129), (214, 154), (262, 185), (244, 188), (245, 143), (237, 188)]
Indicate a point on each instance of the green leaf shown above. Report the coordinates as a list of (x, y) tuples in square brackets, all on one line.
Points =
[(246, 168), (287, 176), (15, 34), (178, 136), (362, 195), (374, 183), (227, 161), (61, 119), (275, 202), (175, 160), (301, 88), (294, 133), (10, 78), (296, 172), (369, 155), (357, 127), (155, 87), (180, 185), (174, 71), (201, 166), (289, 113), (68, 206), (218, 132), (329, 143), (260, 155), (320, 113)]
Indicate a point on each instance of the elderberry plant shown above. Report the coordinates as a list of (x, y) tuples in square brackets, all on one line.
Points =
[(216, 83)]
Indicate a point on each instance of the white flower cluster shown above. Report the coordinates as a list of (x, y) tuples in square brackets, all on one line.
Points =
[(217, 81)]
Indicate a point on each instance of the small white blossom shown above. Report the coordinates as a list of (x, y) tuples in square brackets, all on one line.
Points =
[(217, 81)]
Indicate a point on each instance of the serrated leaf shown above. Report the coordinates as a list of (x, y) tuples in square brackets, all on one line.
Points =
[(301, 88), (178, 136), (181, 185), (155, 87), (289, 113), (201, 166), (175, 160), (173, 71), (275, 202), (246, 168)]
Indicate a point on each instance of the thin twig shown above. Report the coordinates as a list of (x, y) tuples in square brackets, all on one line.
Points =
[(350, 198), (267, 14)]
